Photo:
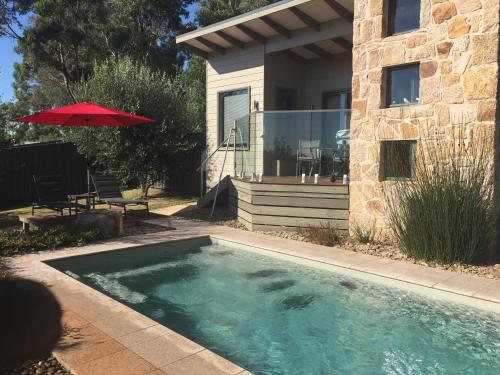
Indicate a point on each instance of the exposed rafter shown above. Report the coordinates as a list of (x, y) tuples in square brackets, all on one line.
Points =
[(280, 29), (308, 20), (231, 40), (340, 10), (213, 46), (344, 43), (318, 51), (194, 50), (294, 56), (251, 34)]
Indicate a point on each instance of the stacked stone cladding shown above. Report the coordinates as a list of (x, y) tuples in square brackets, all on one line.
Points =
[(457, 49)]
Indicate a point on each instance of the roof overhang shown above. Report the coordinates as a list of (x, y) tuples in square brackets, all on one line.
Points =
[(282, 21)]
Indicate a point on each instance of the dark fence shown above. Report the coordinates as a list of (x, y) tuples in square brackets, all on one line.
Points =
[(18, 164)]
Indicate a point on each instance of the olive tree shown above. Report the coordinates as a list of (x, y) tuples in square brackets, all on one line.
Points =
[(143, 153)]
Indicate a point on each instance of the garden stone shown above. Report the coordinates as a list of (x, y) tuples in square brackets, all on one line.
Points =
[(108, 222), (43, 221)]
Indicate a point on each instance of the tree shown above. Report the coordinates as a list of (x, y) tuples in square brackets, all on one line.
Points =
[(194, 81), (10, 12), (211, 11), (64, 36), (143, 153), (64, 39), (145, 30), (5, 137), (67, 37)]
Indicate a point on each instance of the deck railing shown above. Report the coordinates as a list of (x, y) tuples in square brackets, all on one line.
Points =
[(289, 143)]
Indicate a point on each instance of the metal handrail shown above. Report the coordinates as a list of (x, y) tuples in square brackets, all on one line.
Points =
[(208, 158), (204, 162), (223, 144), (200, 169), (305, 111)]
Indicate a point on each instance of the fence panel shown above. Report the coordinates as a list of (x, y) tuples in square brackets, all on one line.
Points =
[(18, 164)]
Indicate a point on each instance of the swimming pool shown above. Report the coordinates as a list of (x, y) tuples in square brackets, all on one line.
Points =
[(273, 316)]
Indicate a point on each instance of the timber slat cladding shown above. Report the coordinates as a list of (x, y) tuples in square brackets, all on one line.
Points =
[(288, 206), (296, 188), (301, 202), (297, 221), (242, 192), (292, 211)]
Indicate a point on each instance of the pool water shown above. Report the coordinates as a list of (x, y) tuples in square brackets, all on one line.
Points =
[(277, 317)]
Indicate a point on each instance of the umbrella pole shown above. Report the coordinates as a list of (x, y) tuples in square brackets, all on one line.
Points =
[(87, 130)]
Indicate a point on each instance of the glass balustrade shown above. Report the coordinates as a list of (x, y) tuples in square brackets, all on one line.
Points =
[(290, 143)]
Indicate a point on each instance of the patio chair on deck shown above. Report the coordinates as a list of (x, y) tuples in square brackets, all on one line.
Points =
[(341, 154), (51, 193), (108, 191), (308, 152)]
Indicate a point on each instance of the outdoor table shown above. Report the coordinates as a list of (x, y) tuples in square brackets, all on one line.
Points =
[(337, 155), (76, 197)]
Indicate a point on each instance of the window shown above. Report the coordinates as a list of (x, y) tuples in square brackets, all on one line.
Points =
[(402, 85), (398, 159), (234, 106), (337, 99), (404, 15), (286, 99)]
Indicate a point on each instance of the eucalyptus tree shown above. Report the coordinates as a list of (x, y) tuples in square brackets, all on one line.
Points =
[(211, 11), (60, 41)]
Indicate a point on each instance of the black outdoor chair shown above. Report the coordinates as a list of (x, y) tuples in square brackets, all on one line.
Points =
[(108, 191), (51, 193)]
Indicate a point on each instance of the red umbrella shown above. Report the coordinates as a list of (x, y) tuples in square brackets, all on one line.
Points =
[(85, 114)]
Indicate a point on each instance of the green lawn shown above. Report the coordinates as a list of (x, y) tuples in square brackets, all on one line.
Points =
[(9, 219), (14, 242)]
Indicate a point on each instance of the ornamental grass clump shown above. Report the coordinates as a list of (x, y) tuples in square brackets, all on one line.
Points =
[(363, 235), (444, 213), (325, 234)]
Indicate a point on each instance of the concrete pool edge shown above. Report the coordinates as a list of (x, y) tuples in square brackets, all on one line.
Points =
[(112, 327), (399, 282), (104, 336)]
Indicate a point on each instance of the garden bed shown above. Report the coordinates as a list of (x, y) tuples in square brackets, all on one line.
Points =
[(47, 366)]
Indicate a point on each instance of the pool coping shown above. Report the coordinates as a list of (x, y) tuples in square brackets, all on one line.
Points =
[(104, 336)]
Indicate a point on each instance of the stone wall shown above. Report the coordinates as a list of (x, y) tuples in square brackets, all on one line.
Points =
[(456, 46)]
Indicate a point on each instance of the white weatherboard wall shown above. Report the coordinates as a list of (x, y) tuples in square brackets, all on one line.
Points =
[(285, 73), (310, 80), (236, 69), (324, 75)]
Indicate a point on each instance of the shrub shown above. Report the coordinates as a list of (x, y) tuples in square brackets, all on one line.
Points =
[(139, 154), (364, 236), (324, 234), (444, 214), (16, 242)]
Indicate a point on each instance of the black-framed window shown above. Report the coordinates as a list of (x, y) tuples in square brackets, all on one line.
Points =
[(339, 99), (403, 16), (398, 159), (402, 85), (234, 106)]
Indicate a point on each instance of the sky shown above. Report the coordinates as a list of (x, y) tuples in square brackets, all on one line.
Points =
[(8, 57)]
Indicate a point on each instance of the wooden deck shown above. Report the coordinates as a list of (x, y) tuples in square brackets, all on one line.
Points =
[(283, 203), (294, 180)]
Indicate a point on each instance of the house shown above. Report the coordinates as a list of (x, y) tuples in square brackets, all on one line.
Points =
[(329, 87)]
